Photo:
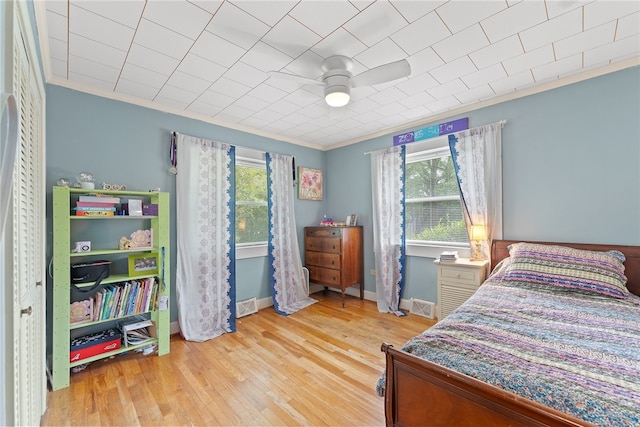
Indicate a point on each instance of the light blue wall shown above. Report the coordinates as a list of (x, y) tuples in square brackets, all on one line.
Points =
[(126, 144), (571, 170), (570, 165)]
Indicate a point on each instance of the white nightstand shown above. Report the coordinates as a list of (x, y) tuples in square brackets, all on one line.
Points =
[(457, 281)]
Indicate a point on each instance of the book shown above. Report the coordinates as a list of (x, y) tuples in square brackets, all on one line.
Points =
[(95, 209), (99, 199), (95, 213), (449, 256), (95, 205)]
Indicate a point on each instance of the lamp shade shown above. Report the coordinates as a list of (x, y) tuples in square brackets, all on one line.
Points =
[(478, 232)]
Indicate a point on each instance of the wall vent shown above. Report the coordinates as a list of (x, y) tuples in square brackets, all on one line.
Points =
[(423, 308), (246, 307)]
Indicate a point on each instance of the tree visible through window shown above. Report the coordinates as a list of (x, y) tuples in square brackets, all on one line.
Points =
[(432, 201), (251, 202)]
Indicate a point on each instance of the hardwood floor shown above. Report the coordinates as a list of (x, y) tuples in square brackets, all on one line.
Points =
[(318, 366)]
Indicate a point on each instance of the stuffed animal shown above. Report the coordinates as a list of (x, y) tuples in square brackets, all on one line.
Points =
[(124, 243)]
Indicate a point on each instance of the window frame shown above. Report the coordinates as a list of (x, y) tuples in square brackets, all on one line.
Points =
[(423, 150), (255, 158)]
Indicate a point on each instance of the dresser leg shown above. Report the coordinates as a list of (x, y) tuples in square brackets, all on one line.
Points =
[(343, 304), (362, 290)]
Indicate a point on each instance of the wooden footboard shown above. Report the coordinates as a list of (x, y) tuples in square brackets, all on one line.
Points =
[(420, 393)]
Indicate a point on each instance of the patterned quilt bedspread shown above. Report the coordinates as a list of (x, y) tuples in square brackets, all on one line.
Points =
[(575, 352)]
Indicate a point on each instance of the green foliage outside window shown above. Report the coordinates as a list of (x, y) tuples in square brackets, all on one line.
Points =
[(432, 201), (251, 204)]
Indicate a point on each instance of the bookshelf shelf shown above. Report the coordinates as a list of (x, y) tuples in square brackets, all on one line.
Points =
[(68, 228)]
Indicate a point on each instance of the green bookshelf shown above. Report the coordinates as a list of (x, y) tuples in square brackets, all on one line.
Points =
[(63, 230)]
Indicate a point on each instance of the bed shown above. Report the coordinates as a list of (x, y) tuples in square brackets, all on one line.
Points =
[(531, 347)]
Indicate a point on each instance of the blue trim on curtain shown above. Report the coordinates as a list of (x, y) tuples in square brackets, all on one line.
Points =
[(272, 280), (454, 158), (232, 238), (403, 257)]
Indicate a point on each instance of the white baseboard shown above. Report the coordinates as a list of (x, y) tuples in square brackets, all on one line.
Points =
[(405, 304)]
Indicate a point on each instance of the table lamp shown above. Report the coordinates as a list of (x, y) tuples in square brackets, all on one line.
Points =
[(478, 233)]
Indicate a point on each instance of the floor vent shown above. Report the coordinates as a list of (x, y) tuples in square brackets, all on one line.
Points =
[(423, 308), (246, 307)]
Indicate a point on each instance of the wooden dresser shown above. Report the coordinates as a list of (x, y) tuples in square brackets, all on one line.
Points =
[(334, 257)]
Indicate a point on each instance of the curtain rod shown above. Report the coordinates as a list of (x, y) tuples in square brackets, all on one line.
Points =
[(242, 147), (501, 122)]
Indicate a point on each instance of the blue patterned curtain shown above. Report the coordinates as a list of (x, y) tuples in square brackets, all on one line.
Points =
[(285, 266), (205, 210), (477, 159), (387, 180)]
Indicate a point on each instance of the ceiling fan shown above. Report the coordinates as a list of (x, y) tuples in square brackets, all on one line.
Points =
[(338, 80)]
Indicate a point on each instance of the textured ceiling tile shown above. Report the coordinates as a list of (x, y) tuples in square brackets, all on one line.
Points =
[(177, 94), (269, 12), (291, 37), (266, 58), (151, 60), (182, 17), (245, 74), (268, 93), (78, 65), (163, 40), (388, 95), (598, 13), (424, 32), (57, 26), (283, 107), (484, 76), (59, 67), (376, 22), (59, 7), (340, 42), (535, 58), (556, 29), (586, 40), (203, 108), (210, 6), (513, 82), (124, 12), (98, 52), (476, 94), (99, 28), (412, 10), (216, 99), (557, 8), (199, 67), (416, 100), (450, 88), (237, 26), (453, 70), (497, 52), (321, 19), (514, 19), (91, 81), (424, 60), (216, 49), (230, 88), (188, 82), (301, 98), (462, 43), (629, 47), (628, 26), (418, 83), (133, 88), (558, 68), (137, 74), (58, 49), (458, 15)]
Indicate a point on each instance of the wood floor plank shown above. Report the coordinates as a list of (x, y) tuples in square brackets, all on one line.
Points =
[(318, 366)]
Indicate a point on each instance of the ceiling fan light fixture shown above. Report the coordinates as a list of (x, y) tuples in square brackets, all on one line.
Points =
[(337, 96)]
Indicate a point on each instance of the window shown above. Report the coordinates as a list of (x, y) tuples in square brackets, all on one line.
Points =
[(252, 222), (433, 209)]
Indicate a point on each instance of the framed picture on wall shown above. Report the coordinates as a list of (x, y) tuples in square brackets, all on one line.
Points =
[(309, 183)]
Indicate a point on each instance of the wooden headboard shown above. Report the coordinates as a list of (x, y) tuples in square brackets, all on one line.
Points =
[(499, 251)]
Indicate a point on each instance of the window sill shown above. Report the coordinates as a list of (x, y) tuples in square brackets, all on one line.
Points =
[(433, 251), (251, 250)]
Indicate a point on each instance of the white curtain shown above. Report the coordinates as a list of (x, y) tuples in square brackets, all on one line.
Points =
[(285, 266), (477, 158), (387, 181), (205, 207)]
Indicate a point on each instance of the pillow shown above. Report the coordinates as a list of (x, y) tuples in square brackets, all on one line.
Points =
[(592, 272)]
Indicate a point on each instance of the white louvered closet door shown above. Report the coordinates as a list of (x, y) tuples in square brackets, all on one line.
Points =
[(28, 356)]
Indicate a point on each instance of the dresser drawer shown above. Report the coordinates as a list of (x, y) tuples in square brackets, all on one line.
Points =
[(323, 244), (324, 276), (472, 276), (323, 232), (322, 259)]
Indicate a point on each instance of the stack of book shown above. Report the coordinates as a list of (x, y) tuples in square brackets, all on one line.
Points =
[(449, 256), (96, 206), (125, 299)]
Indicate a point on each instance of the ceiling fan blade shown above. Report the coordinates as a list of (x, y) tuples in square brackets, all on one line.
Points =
[(382, 74), (293, 77)]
